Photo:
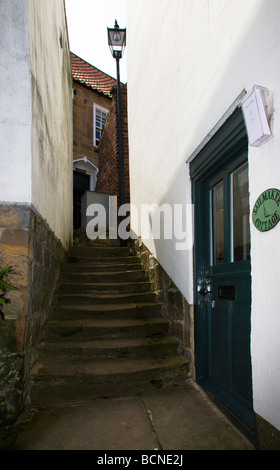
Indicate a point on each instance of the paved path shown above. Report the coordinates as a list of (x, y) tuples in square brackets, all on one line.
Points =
[(176, 418)]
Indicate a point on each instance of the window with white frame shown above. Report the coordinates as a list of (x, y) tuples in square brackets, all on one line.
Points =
[(99, 119)]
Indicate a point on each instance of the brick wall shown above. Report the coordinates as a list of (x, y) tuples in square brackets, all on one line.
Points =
[(108, 152)]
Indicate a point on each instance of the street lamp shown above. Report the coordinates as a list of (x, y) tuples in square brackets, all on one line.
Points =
[(117, 40), (117, 43)]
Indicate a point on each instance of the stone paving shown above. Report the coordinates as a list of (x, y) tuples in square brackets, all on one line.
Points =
[(173, 418)]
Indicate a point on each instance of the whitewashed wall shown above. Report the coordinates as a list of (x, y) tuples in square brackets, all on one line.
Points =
[(36, 111), (15, 103), (188, 60), (52, 139)]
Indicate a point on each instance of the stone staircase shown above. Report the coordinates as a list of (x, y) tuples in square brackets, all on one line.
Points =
[(105, 336)]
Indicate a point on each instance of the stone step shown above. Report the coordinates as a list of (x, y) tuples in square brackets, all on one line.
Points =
[(103, 287), (78, 380), (106, 276), (80, 238), (100, 251), (105, 335), (155, 347), (107, 328), (100, 261), (98, 268), (102, 298), (133, 310)]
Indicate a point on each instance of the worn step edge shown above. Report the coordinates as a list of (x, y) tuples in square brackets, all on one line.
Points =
[(112, 250), (132, 310), (102, 260), (111, 287), (73, 392), (98, 370), (107, 328), (106, 276), (99, 268), (111, 298), (113, 347), (109, 323)]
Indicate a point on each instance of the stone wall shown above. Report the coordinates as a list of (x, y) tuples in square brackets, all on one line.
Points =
[(174, 306), (83, 116), (30, 247)]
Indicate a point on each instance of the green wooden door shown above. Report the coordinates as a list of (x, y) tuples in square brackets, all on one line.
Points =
[(223, 273)]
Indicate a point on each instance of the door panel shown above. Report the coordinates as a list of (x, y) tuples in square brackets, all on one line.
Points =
[(218, 346)]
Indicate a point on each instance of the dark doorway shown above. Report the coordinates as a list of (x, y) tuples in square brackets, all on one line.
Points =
[(81, 183)]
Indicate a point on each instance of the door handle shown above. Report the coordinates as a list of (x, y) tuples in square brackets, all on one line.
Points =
[(204, 288)]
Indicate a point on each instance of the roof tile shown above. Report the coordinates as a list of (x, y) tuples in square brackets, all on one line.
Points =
[(90, 76)]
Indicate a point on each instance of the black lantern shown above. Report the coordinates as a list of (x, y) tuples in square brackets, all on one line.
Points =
[(116, 40)]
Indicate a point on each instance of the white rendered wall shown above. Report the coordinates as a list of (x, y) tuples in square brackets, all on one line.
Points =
[(36, 111), (52, 138), (188, 60), (15, 103)]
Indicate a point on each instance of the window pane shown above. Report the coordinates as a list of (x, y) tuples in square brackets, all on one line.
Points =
[(100, 118), (240, 214), (103, 119), (98, 122), (218, 223)]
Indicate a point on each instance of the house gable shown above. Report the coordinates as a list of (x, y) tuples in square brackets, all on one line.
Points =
[(92, 91)]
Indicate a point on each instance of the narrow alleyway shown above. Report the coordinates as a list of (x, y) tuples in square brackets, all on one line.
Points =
[(108, 375)]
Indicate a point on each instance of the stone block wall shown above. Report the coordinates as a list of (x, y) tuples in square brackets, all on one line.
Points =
[(108, 151), (174, 306), (83, 114), (35, 254)]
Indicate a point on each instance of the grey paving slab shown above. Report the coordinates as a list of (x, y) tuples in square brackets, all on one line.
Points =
[(184, 418), (117, 424), (173, 418)]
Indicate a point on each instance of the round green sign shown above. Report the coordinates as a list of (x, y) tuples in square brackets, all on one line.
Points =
[(266, 211)]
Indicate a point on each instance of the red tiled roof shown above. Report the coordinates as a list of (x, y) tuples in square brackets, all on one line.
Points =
[(90, 76)]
